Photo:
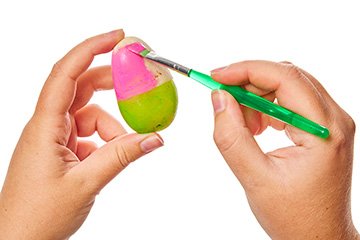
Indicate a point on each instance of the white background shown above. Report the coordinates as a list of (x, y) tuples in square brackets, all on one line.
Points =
[(184, 190)]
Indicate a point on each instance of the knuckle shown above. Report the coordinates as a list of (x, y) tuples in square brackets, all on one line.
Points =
[(31, 129), (351, 123), (343, 130), (340, 137), (94, 107), (123, 157), (226, 141), (286, 62), (293, 71), (87, 41), (56, 69), (219, 139)]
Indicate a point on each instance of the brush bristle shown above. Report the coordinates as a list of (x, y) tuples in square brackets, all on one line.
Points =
[(144, 52), (138, 49)]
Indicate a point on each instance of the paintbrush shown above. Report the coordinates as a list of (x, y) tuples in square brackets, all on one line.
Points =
[(243, 96)]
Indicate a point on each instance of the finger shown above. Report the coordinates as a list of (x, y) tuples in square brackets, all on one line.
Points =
[(254, 119), (339, 115), (92, 118), (59, 89), (314, 81), (258, 91), (235, 140), (266, 120), (85, 148), (293, 89), (105, 163), (93, 80)]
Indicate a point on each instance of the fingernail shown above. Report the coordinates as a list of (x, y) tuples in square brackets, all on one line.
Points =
[(114, 32), (151, 143), (217, 70), (218, 100)]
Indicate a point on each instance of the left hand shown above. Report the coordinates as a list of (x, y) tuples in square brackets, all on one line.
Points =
[(53, 176)]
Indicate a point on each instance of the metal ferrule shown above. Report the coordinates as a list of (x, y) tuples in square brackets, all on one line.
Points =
[(173, 65)]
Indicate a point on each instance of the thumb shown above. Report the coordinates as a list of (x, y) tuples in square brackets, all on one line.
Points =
[(235, 140), (105, 163)]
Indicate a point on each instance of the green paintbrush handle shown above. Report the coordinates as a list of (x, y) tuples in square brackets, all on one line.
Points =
[(260, 104)]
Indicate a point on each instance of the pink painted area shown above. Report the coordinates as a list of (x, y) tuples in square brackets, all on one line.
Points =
[(130, 75), (136, 47)]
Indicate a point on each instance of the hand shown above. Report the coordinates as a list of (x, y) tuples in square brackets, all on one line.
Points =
[(53, 177), (295, 192)]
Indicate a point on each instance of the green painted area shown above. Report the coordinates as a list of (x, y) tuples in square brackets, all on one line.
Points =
[(151, 111), (144, 52)]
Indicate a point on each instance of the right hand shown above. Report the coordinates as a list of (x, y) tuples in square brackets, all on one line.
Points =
[(295, 192)]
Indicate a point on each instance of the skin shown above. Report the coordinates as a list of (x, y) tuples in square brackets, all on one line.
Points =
[(53, 177), (297, 192)]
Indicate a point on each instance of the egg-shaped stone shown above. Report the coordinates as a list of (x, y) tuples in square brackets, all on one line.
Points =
[(145, 91)]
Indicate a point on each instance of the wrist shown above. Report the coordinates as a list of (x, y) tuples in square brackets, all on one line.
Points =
[(12, 226), (357, 235), (344, 231), (4, 221), (7, 231), (330, 228)]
